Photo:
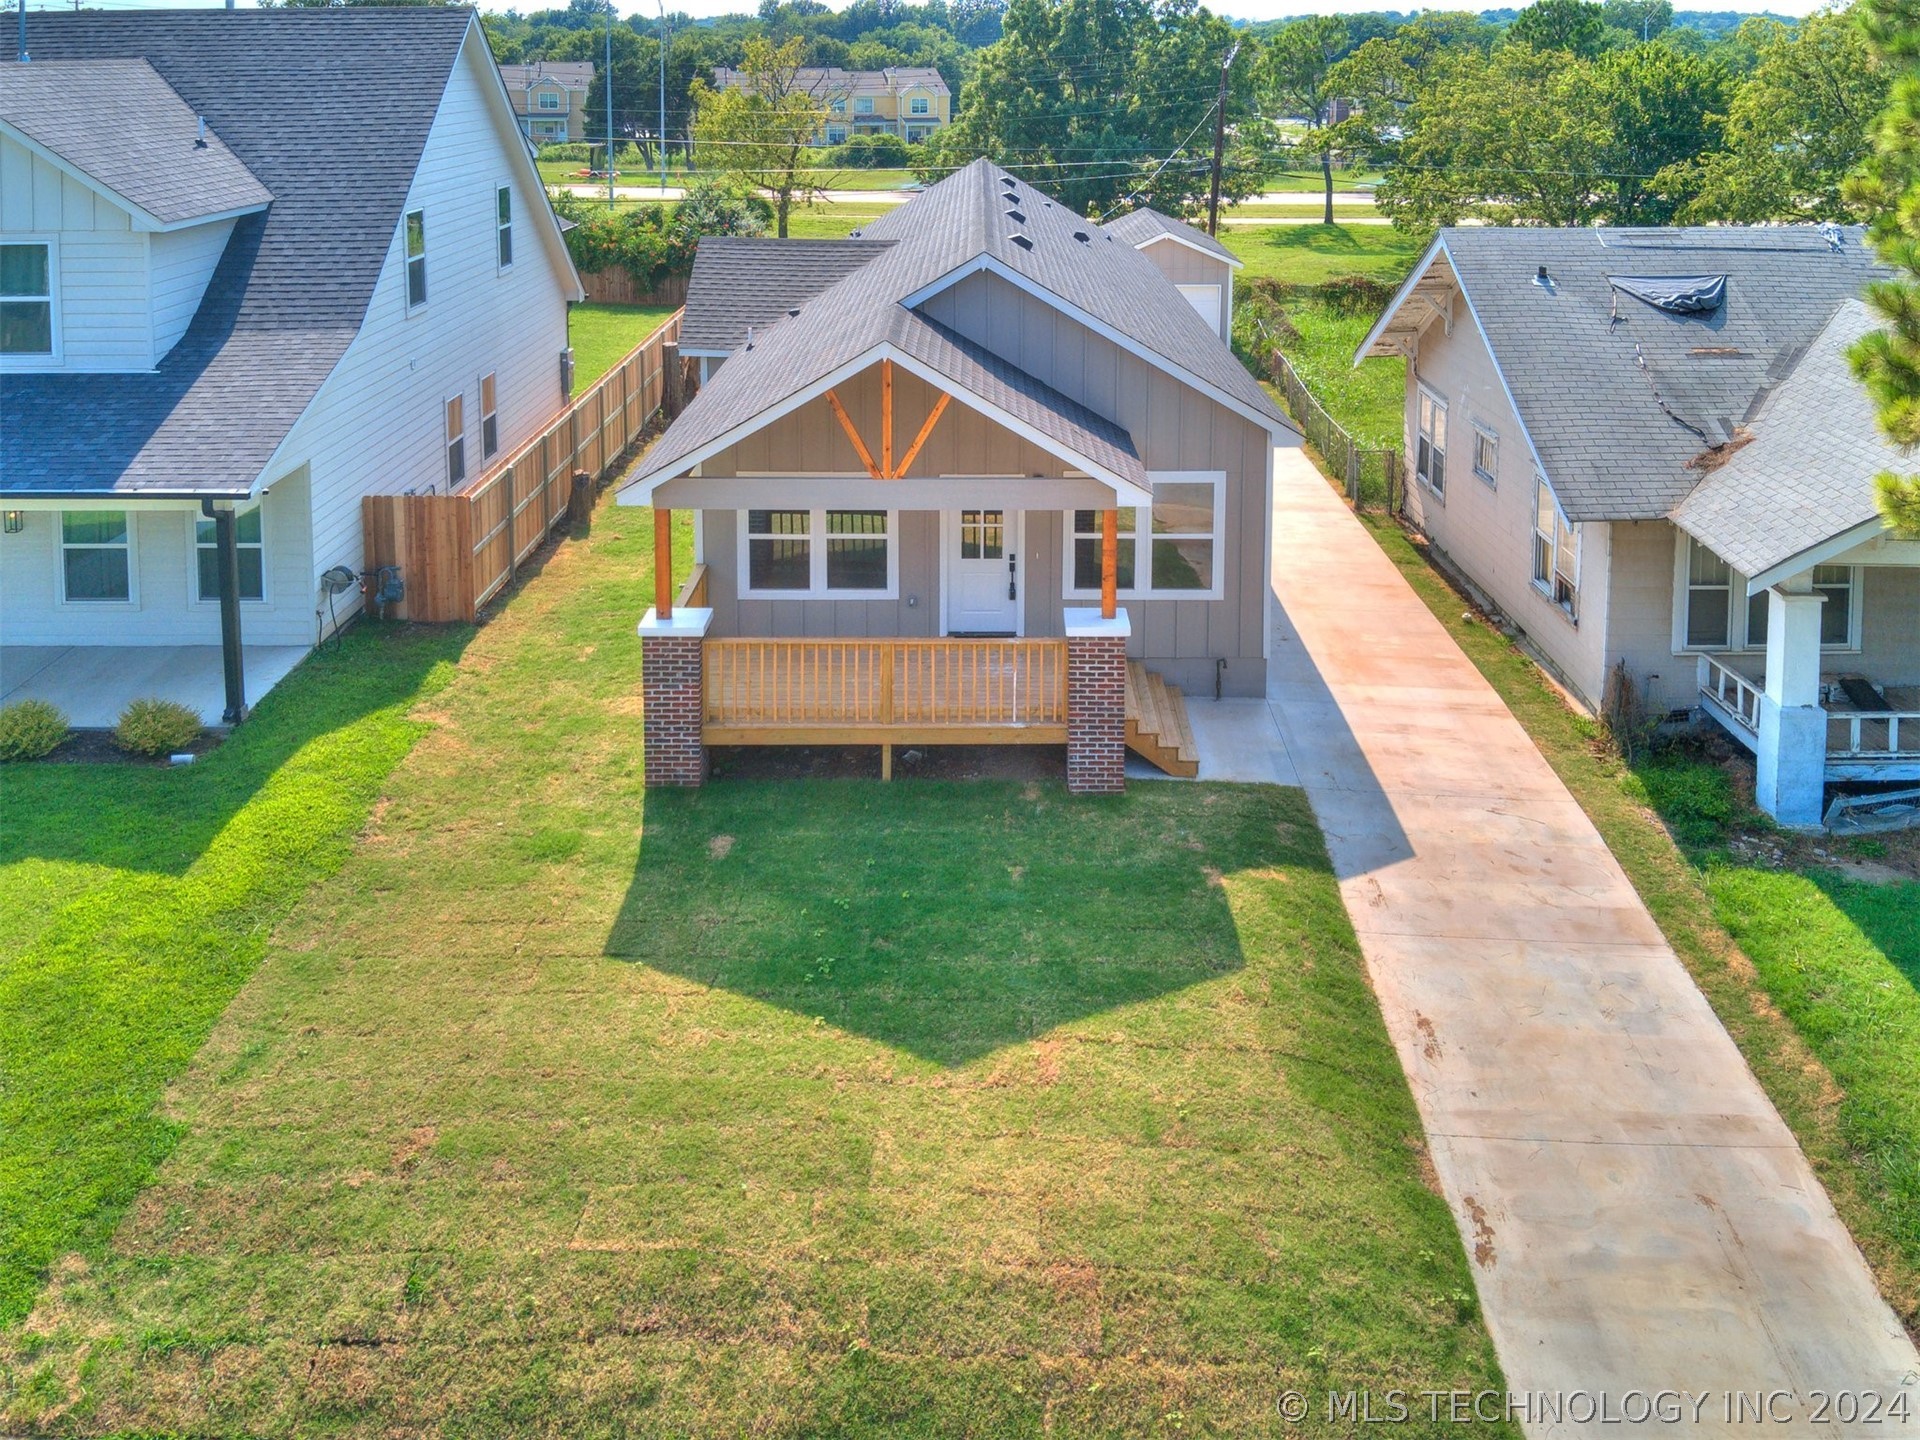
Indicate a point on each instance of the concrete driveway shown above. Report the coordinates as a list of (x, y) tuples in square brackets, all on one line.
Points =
[(1638, 1217)]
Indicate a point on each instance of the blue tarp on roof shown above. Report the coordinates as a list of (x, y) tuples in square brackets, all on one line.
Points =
[(1676, 294)]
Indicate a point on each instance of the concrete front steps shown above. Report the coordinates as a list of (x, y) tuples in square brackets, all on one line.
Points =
[(1157, 728)]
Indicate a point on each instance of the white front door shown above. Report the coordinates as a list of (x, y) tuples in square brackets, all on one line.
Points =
[(982, 571)]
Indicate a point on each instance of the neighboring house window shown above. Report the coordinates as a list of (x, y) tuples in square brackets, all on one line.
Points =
[(1556, 550), (416, 259), (919, 105), (503, 224), (96, 555), (1430, 440), (1709, 617), (549, 100), (1712, 619), (26, 298), (1182, 542), (249, 550), (836, 135), (863, 105), (836, 553), (456, 441), (1837, 583), (836, 107), (489, 418), (1486, 455)]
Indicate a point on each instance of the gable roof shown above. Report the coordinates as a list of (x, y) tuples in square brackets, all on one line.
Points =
[(567, 74), (963, 224), (1807, 475), (121, 129), (1616, 394), (329, 109), (741, 283), (1144, 226)]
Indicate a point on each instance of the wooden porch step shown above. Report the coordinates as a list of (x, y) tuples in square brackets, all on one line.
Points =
[(1157, 727)]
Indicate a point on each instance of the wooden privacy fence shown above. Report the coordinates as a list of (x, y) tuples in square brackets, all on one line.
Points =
[(617, 287), (1371, 474), (929, 692), (457, 551)]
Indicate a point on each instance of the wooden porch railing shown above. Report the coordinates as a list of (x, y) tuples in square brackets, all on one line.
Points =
[(1732, 691), (1873, 735), (694, 592), (928, 692)]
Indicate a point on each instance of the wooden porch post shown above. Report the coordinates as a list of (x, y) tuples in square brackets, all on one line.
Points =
[(1110, 562), (662, 562)]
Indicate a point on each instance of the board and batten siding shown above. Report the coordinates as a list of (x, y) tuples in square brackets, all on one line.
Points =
[(100, 263), (1486, 529), (377, 424), (1184, 265), (916, 611), (180, 263), (1176, 427), (166, 608)]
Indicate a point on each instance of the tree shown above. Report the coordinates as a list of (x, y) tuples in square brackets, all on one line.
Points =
[(1575, 26), (758, 133), (1794, 129), (1295, 75), (1660, 107), (1642, 19), (1383, 76), (1887, 185)]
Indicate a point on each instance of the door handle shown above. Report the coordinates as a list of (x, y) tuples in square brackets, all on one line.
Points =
[(1013, 562)]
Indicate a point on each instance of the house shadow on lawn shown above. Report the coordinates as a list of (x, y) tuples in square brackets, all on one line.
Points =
[(160, 820), (951, 919)]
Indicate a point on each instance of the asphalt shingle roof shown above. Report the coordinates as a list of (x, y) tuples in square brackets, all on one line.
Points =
[(1138, 227), (1807, 474), (120, 124), (740, 283), (1618, 395), (978, 212), (329, 109)]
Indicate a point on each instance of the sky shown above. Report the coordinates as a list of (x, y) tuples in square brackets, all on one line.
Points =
[(1234, 9)]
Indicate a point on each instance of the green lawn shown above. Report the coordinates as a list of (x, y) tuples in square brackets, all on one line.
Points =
[(1369, 399), (1814, 975), (1313, 180), (602, 335), (1308, 254), (830, 220), (139, 900), (808, 1108)]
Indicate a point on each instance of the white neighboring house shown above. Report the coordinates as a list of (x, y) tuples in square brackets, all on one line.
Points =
[(230, 290)]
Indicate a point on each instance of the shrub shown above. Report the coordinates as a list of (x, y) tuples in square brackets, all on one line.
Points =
[(1355, 294), (570, 151), (878, 151), (652, 242), (156, 727), (30, 729)]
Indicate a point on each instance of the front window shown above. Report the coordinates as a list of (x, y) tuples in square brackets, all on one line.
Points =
[(456, 441), (1556, 550), (1179, 550), (1430, 442), (416, 258), (863, 105), (249, 550), (919, 105), (503, 225), (96, 555), (839, 553), (1836, 582), (26, 299), (489, 417)]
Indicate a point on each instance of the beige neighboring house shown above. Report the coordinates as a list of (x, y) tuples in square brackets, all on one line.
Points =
[(909, 101), (550, 98)]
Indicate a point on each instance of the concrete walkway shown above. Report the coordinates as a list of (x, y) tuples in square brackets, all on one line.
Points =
[(1637, 1215), (94, 683)]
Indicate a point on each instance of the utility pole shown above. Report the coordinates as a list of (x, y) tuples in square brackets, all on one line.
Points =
[(24, 57), (1219, 141), (663, 99), (610, 10)]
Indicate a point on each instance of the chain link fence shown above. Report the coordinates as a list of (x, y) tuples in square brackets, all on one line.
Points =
[(1374, 478)]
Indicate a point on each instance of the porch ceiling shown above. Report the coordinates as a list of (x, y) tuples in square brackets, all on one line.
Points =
[(861, 492)]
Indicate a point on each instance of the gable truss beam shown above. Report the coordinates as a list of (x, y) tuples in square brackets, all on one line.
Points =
[(886, 469)]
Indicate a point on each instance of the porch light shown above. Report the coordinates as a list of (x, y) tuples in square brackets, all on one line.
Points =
[(15, 521)]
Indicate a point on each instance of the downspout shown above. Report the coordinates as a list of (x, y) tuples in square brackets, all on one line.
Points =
[(227, 559)]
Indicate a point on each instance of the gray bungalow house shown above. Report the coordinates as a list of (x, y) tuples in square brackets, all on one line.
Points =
[(978, 474), (1646, 447)]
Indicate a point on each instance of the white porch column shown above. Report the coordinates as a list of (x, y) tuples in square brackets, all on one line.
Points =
[(1791, 763)]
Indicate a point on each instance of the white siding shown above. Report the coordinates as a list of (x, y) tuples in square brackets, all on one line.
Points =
[(100, 263), (166, 608), (376, 425), (182, 262)]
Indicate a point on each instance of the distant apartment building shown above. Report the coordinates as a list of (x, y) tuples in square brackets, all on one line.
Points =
[(550, 98), (909, 101)]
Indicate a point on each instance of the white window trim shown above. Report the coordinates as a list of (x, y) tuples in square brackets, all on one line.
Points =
[(1422, 389), (58, 354), (817, 538), (499, 187), (132, 602), (194, 547), (918, 100), (1143, 563), (1544, 588), (1738, 640), (1492, 437), (866, 101), (406, 260)]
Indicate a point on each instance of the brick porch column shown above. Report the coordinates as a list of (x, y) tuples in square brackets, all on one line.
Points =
[(672, 694), (1096, 701)]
